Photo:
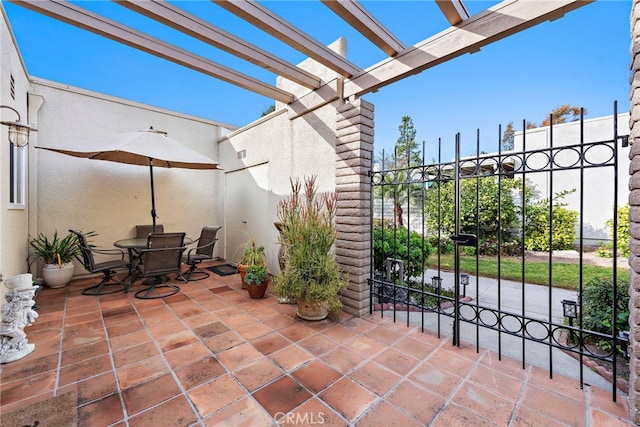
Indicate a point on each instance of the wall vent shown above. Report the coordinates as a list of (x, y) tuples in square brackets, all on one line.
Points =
[(12, 86)]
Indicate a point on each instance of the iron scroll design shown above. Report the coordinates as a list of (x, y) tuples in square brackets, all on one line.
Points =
[(558, 335), (399, 195)]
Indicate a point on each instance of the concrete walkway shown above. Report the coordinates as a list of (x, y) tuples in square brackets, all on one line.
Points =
[(509, 296)]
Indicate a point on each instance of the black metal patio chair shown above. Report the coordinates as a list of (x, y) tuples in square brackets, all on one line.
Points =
[(107, 268), (202, 252), (163, 256), (145, 230)]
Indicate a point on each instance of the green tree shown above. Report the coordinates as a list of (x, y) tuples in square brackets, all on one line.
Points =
[(268, 110), (407, 152), (400, 243), (493, 219), (499, 218), (606, 249), (507, 137), (397, 185), (598, 300)]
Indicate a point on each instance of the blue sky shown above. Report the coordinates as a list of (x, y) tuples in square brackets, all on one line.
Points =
[(581, 60)]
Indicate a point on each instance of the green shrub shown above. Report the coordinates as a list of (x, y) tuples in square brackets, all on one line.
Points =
[(444, 246), (606, 249), (400, 243), (487, 209), (537, 225), (597, 305)]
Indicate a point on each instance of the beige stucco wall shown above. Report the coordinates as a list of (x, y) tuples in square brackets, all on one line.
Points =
[(111, 198), (290, 148), (13, 219), (597, 194)]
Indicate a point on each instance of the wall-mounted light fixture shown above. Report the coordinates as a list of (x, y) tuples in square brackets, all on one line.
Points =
[(18, 131)]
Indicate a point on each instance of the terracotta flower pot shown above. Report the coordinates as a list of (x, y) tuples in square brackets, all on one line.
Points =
[(242, 268), (258, 291)]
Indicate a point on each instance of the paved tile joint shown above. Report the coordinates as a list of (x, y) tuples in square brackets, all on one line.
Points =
[(210, 355)]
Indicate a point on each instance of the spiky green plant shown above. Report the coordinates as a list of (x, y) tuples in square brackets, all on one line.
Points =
[(307, 236), (55, 250)]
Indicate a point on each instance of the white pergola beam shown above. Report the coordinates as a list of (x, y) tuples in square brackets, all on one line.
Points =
[(359, 18), (181, 20), (498, 22), (74, 15), (274, 25), (454, 10)]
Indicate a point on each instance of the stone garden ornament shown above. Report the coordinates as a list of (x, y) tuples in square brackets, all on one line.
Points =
[(16, 314)]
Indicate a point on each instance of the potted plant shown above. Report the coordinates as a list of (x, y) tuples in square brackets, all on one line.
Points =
[(257, 280), (311, 275), (57, 254), (253, 254)]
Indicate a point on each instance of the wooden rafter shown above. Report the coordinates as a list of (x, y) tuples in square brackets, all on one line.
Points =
[(74, 15), (269, 22), (359, 18), (469, 34), (181, 20), (498, 22), (495, 23), (454, 10)]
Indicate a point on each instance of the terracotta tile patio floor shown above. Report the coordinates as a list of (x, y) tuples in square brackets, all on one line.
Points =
[(211, 356)]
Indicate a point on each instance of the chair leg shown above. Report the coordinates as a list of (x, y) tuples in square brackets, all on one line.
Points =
[(193, 269), (181, 277), (152, 292), (99, 289)]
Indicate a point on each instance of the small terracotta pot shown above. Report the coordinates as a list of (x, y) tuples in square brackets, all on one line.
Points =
[(242, 268), (258, 291)]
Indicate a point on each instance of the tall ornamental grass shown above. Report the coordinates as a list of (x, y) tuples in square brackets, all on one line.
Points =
[(307, 236)]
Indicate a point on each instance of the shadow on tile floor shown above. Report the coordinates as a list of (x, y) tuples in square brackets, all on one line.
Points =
[(211, 356)]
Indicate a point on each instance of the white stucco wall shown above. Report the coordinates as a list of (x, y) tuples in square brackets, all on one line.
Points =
[(111, 198), (13, 220), (598, 195), (291, 148)]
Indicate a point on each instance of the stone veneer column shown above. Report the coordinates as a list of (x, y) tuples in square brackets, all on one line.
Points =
[(634, 217), (354, 150)]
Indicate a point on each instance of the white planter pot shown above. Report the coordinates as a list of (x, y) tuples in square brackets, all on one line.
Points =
[(55, 276)]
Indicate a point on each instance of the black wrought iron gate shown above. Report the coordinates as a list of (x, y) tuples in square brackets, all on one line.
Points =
[(447, 233)]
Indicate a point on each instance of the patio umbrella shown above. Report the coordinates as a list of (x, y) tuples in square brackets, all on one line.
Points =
[(147, 148)]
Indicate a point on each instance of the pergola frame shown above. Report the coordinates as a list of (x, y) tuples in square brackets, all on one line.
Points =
[(466, 34)]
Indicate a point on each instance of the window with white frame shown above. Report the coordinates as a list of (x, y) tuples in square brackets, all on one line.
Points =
[(17, 178)]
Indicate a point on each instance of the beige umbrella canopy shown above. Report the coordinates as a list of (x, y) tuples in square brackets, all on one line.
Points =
[(147, 148)]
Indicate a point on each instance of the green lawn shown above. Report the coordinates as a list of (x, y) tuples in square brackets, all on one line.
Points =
[(564, 275)]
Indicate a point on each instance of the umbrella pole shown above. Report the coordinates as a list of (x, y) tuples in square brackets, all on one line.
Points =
[(153, 195)]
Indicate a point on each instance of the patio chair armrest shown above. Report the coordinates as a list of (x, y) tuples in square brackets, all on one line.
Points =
[(197, 248), (109, 252)]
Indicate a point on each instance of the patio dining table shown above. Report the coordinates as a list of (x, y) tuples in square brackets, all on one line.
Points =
[(134, 245)]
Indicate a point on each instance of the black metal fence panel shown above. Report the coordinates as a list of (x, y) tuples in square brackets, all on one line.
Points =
[(435, 224)]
